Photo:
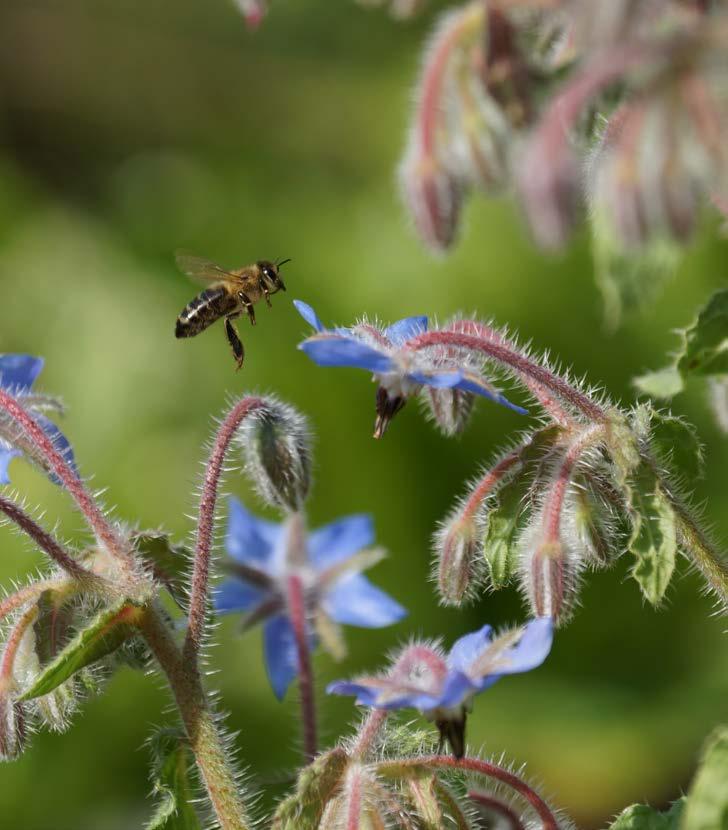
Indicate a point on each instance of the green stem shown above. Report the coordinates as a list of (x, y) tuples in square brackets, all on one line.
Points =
[(199, 720)]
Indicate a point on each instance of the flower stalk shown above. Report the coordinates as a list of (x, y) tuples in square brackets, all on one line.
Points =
[(297, 611)]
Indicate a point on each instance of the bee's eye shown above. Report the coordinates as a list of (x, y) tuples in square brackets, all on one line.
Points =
[(269, 273)]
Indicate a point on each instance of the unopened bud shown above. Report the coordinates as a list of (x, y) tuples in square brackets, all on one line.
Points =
[(456, 549), (548, 577), (12, 725), (276, 441), (450, 408)]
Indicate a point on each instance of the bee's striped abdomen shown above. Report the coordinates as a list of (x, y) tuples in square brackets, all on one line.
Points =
[(203, 310)]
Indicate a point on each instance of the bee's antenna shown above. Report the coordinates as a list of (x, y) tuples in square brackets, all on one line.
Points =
[(283, 262)]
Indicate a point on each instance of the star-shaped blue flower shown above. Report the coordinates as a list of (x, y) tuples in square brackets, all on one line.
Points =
[(441, 686), (328, 562), (400, 372), (18, 373)]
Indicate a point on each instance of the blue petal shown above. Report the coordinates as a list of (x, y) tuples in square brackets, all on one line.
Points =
[(337, 350), (469, 648), (281, 654), (19, 371), (533, 647), (340, 539), (365, 695), (355, 601), (235, 595), (472, 383), (250, 539), (308, 314), (458, 687), (406, 329), (6, 456), (438, 379), (60, 442)]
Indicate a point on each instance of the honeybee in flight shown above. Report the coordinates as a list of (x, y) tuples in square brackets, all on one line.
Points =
[(230, 293)]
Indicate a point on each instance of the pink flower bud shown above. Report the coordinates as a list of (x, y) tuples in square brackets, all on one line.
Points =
[(457, 555)]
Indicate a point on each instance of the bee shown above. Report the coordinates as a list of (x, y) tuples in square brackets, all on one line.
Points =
[(230, 294)]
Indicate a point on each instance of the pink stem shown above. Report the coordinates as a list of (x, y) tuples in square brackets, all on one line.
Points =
[(539, 391), (297, 611), (369, 730), (26, 594), (489, 481), (499, 806), (490, 771), (65, 474), (45, 541), (12, 644), (206, 523), (511, 358), (354, 813)]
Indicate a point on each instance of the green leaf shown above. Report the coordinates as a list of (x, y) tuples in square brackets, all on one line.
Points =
[(317, 784), (628, 279), (99, 638), (507, 506), (707, 803), (169, 562), (642, 817), (654, 536), (171, 783), (676, 444), (664, 383), (424, 795), (703, 351)]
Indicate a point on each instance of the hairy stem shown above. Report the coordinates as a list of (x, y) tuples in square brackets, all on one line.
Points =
[(514, 360), (12, 644), (297, 611), (30, 593), (548, 820), (45, 541), (60, 467), (498, 806), (207, 745), (206, 523), (490, 481), (368, 732), (353, 785)]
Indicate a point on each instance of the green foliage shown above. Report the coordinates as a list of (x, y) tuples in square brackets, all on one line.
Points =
[(703, 351), (629, 279), (102, 636), (171, 759), (707, 803), (642, 817), (654, 536), (676, 444), (169, 562)]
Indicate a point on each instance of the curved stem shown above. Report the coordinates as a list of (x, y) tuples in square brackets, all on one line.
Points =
[(368, 732), (490, 481), (498, 806), (548, 820), (73, 484), (45, 541), (206, 522), (297, 611), (12, 644), (206, 743), (512, 359)]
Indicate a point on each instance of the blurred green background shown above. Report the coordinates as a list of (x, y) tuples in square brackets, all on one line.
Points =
[(130, 128)]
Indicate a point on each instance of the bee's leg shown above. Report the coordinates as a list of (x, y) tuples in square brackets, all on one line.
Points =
[(245, 300), (234, 341), (266, 293)]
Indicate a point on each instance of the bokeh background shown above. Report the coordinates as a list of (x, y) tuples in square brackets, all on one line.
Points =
[(130, 128)]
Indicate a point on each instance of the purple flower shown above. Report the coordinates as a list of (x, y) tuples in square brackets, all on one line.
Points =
[(442, 686), (18, 373), (328, 562), (400, 372)]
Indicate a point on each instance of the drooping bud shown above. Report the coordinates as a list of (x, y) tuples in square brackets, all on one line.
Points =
[(549, 579), (457, 557), (12, 725), (387, 408), (276, 442), (450, 408)]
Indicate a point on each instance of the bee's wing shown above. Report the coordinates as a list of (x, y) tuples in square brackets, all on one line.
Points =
[(201, 269)]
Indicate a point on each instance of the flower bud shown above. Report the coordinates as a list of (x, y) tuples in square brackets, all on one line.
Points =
[(12, 725), (276, 443), (549, 579), (456, 551), (449, 408)]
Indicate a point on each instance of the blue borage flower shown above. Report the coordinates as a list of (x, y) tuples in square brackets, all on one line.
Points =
[(400, 372), (442, 686), (328, 561), (18, 373)]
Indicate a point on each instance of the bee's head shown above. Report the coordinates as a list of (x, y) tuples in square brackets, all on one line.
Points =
[(271, 274)]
